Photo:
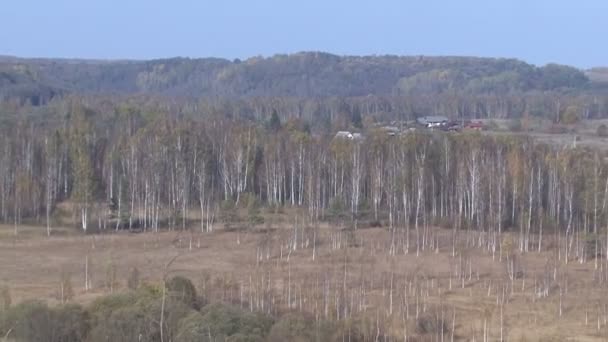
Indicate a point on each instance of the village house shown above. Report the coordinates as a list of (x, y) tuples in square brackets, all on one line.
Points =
[(433, 121), (348, 135)]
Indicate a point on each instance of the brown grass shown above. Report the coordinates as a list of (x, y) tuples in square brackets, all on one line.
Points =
[(32, 264)]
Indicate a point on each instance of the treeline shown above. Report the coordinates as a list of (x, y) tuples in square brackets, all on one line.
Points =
[(325, 115), (131, 170), (173, 312), (301, 75)]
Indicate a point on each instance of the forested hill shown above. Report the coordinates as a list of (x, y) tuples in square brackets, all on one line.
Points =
[(307, 74)]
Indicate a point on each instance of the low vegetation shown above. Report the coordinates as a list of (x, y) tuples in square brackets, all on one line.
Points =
[(151, 314)]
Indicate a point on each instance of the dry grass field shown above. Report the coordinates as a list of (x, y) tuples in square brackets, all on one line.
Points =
[(582, 134), (464, 290)]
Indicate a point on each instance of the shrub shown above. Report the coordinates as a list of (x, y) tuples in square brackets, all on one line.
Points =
[(336, 210), (65, 292), (140, 321), (228, 213), (431, 324), (103, 307), (254, 215), (133, 281), (30, 321), (125, 324), (35, 321), (192, 328), (570, 116), (227, 320), (375, 224), (182, 289), (515, 125), (491, 125), (72, 323), (602, 131), (557, 129), (593, 246), (223, 323), (111, 277), (5, 298), (238, 337), (293, 327)]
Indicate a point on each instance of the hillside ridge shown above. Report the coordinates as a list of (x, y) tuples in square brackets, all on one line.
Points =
[(303, 74)]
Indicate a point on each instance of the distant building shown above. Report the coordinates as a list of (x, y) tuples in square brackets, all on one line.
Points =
[(348, 135), (451, 126), (344, 135), (476, 125), (391, 130), (432, 121)]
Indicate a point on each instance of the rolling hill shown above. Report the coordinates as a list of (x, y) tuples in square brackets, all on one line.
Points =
[(307, 74)]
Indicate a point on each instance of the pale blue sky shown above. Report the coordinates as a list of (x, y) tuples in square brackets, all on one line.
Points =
[(537, 31)]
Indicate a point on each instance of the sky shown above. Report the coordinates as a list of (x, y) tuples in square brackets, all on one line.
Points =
[(536, 31)]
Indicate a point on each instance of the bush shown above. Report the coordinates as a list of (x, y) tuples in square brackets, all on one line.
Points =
[(228, 213), (431, 324), (515, 125), (238, 337), (301, 327), (139, 321), (182, 289), (557, 129), (133, 280), (593, 246), (35, 321), (103, 307), (294, 327), (223, 323), (29, 321), (491, 125), (336, 210), (570, 116), (72, 323), (192, 328), (375, 224), (65, 292), (602, 131), (126, 324), (227, 320), (5, 298), (254, 214)]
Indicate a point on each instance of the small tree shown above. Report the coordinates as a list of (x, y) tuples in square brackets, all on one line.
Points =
[(570, 116), (274, 124), (110, 276), (5, 298), (336, 210), (356, 119), (66, 292), (182, 289), (254, 215), (133, 280), (228, 213)]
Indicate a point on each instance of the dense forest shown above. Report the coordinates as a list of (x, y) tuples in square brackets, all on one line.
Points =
[(301, 75), (305, 84), (150, 170)]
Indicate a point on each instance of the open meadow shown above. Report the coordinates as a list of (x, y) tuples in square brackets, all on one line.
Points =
[(332, 273)]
